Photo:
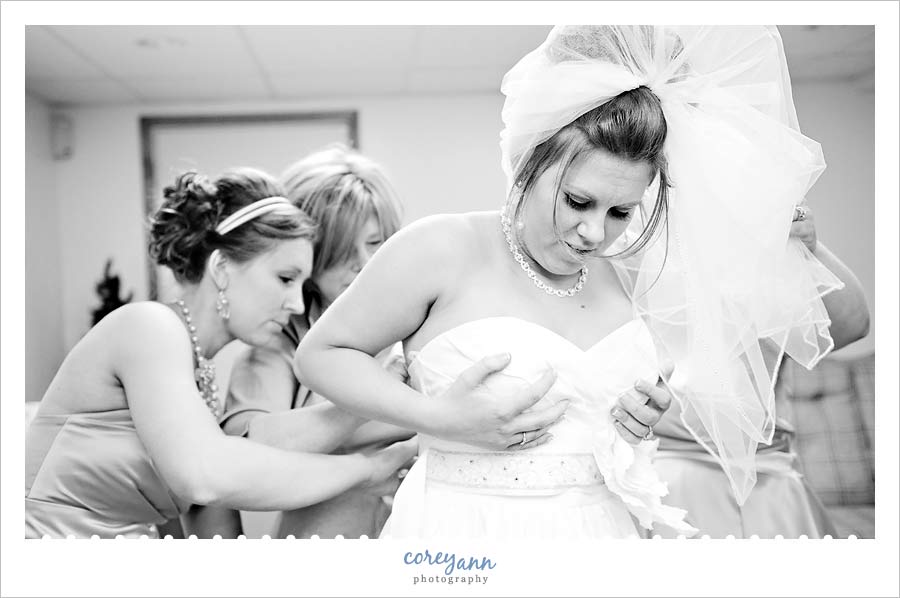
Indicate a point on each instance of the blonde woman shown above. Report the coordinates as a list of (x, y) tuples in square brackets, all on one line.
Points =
[(356, 210)]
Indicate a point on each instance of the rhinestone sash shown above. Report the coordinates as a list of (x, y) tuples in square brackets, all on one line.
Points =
[(512, 470)]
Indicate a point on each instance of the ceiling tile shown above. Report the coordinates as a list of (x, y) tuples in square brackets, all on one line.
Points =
[(834, 66), (200, 88), (828, 52), (863, 44), (169, 51), (455, 80), (324, 47), (473, 46), (46, 56), (180, 63), (805, 40), (338, 82)]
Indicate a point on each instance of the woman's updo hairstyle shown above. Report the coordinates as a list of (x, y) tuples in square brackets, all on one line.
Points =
[(183, 230)]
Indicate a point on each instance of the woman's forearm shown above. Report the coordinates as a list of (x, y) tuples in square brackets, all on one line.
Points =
[(373, 433), (316, 429), (241, 474), (846, 307), (370, 392)]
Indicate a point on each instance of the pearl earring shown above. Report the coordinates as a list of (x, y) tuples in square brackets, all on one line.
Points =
[(222, 306)]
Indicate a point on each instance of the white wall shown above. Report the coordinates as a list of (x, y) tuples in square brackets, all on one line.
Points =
[(841, 116), (44, 347), (441, 151)]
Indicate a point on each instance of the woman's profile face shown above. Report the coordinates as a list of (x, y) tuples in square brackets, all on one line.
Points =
[(597, 199), (335, 280), (264, 292)]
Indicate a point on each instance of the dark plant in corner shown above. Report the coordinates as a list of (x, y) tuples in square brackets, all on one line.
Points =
[(108, 291)]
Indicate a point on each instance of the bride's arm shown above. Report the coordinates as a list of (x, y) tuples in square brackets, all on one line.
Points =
[(375, 433), (151, 356), (405, 280), (387, 302), (260, 399)]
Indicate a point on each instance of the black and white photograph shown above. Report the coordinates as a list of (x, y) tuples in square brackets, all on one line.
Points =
[(440, 287)]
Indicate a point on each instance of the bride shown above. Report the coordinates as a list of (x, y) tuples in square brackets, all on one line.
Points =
[(652, 173)]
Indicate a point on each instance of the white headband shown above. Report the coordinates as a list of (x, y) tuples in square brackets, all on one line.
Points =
[(248, 213)]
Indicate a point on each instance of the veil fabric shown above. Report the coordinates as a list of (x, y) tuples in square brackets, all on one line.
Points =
[(723, 280)]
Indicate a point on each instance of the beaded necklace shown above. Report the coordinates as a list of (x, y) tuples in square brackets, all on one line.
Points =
[(205, 372), (517, 255)]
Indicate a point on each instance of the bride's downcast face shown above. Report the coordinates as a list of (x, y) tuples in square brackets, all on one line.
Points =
[(264, 292), (597, 199)]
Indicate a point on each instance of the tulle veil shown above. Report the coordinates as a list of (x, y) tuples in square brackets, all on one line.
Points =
[(723, 290)]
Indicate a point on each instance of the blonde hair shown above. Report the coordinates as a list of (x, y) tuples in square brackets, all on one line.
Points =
[(340, 190)]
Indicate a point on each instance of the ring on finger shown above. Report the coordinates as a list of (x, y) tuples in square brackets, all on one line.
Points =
[(800, 213), (524, 439), (649, 435)]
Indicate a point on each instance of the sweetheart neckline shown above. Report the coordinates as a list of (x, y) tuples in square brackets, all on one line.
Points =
[(413, 355)]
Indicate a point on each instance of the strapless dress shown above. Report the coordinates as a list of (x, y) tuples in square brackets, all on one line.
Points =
[(587, 482)]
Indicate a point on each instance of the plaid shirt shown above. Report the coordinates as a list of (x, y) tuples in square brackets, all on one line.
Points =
[(833, 414)]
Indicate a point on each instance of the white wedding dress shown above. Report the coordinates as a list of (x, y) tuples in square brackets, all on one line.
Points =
[(585, 483)]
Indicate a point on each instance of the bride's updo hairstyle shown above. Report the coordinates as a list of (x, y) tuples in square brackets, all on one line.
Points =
[(183, 230), (630, 126)]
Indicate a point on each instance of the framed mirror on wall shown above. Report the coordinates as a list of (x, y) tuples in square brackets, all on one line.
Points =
[(211, 144)]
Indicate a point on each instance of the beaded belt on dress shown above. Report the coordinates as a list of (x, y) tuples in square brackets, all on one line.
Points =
[(512, 470)]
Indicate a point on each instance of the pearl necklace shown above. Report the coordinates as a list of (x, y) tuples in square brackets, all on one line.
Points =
[(205, 372), (513, 248)]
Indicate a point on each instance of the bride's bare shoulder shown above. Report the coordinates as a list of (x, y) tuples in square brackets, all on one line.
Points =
[(447, 235)]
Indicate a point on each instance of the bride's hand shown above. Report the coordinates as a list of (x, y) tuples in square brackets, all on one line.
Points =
[(479, 418), (639, 410)]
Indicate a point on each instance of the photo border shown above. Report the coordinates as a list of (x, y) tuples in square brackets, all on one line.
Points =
[(335, 567)]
